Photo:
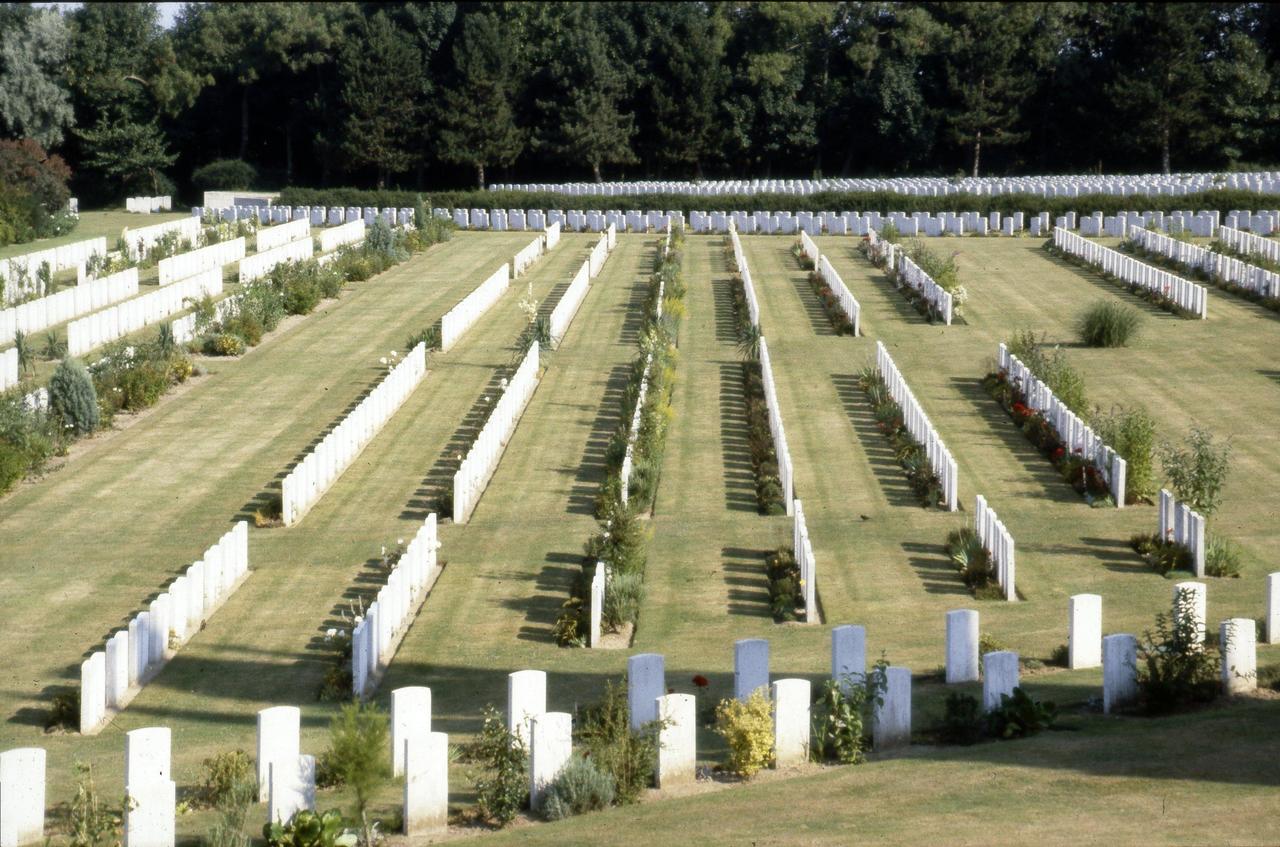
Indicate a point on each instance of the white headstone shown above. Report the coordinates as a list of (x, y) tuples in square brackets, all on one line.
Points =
[(549, 751), (1273, 608), (93, 691), (1119, 670), (849, 655), (893, 713), (1084, 631), (278, 740), (750, 666), (677, 739), (292, 787), (426, 786), (791, 721), (147, 755), (1238, 640), (149, 813), (646, 682), (410, 720), (1195, 604), (22, 796), (117, 668), (999, 677), (962, 646), (526, 697), (597, 605)]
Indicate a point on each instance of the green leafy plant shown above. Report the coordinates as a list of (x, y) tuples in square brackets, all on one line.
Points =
[(626, 756), (225, 175), (1019, 716), (504, 787), (838, 721), (308, 829), (1131, 432), (222, 773), (237, 793), (358, 739), (1221, 557), (1198, 470), (1107, 324), (54, 347), (785, 586), (72, 397), (579, 787), (90, 822), (26, 355), (747, 729), (1174, 668), (963, 721), (1161, 554), (972, 560)]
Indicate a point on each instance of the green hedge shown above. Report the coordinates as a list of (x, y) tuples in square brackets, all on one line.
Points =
[(842, 201)]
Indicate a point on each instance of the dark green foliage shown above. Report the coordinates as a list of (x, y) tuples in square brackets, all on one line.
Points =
[(64, 711), (1131, 432), (1198, 470), (962, 723), (580, 787), (1175, 670), (840, 718), (786, 593), (971, 559), (225, 175), (33, 192), (1107, 324), (503, 789), (223, 773), (27, 439), (357, 755), (1019, 716), (628, 757), (1162, 554), (910, 453), (72, 397), (308, 829)]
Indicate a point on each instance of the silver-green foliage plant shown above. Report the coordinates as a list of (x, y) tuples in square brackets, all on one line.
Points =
[(72, 397), (579, 787), (1197, 470)]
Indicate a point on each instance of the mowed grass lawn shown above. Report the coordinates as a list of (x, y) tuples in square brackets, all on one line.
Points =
[(107, 223), (167, 487)]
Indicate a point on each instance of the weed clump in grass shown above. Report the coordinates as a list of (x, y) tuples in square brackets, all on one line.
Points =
[(1107, 324)]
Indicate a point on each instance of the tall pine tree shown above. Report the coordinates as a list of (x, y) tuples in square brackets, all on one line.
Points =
[(478, 116)]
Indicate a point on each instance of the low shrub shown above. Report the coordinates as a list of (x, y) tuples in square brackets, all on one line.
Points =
[(747, 729), (1221, 557), (627, 756), (1131, 432), (223, 772), (90, 821), (841, 719), (1107, 324), (909, 452), (224, 344), (1198, 470), (963, 721), (972, 560), (73, 398), (64, 711), (579, 787), (1175, 671), (503, 789), (623, 594), (1161, 554), (224, 175), (786, 589), (308, 829), (1019, 716), (1052, 367)]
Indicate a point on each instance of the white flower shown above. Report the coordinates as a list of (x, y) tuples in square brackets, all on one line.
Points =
[(383, 360), (331, 633), (394, 354), (399, 540), (384, 549)]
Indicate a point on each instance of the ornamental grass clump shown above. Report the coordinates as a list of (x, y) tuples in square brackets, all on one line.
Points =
[(580, 787), (747, 729), (971, 559), (1107, 324)]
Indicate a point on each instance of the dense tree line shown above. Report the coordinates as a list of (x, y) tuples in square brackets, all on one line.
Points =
[(438, 94)]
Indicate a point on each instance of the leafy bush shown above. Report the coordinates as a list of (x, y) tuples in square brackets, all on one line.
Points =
[(27, 439), (72, 397), (222, 773), (1174, 668), (64, 711), (1131, 432), (308, 829), (1221, 557), (1161, 554), (1198, 470), (1107, 324), (502, 791), (357, 754), (972, 560), (234, 799), (623, 594), (579, 787), (1019, 716), (627, 756), (33, 192), (224, 344), (962, 722), (747, 728), (839, 721), (225, 175), (785, 589), (1052, 367)]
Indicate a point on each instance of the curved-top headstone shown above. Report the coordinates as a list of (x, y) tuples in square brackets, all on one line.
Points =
[(279, 728)]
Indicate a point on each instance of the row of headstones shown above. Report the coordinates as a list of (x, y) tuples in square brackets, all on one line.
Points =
[(193, 262), (1246, 242), (1228, 269), (1201, 224), (486, 451), (920, 427), (575, 220), (1264, 222), (139, 241), (316, 216), (749, 289), (147, 205), (565, 310), (373, 638), (786, 475), (311, 478), (1074, 185), (633, 430), (909, 273), (1177, 522), (530, 253), (9, 374), (67, 304), (469, 309), (260, 264), (806, 561), (184, 327), (338, 236), (110, 677), (276, 236), (1075, 434), (27, 266), (998, 542), (85, 334), (848, 303), (1187, 295)]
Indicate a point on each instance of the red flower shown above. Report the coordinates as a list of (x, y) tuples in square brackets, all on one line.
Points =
[(701, 681), (1059, 453)]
